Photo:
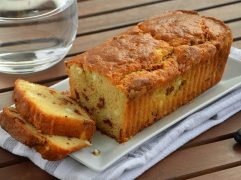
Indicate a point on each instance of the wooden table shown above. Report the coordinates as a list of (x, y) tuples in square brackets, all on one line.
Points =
[(212, 155)]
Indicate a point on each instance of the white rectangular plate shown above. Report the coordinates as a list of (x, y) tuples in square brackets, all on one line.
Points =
[(111, 151)]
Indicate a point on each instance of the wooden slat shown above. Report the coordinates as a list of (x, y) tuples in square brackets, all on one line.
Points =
[(225, 13), (197, 161), (24, 171), (237, 44), (7, 158), (94, 7), (236, 28), (130, 16), (220, 132), (230, 174)]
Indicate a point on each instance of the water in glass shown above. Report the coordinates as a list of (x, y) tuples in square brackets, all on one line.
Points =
[(35, 34)]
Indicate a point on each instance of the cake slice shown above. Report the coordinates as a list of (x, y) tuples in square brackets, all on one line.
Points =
[(52, 112), (51, 147)]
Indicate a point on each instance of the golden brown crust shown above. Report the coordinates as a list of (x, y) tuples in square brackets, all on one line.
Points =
[(16, 127), (50, 123), (147, 109), (156, 51)]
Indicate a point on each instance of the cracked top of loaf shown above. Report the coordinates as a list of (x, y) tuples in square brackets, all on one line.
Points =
[(156, 51)]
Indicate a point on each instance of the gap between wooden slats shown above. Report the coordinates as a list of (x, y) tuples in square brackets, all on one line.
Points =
[(24, 170)]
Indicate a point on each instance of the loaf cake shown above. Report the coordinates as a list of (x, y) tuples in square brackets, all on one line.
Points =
[(132, 80), (52, 112), (51, 147)]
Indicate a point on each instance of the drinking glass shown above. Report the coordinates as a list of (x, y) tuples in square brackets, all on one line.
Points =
[(35, 34)]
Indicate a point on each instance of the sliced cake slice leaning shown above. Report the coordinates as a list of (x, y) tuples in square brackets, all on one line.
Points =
[(50, 147), (52, 112)]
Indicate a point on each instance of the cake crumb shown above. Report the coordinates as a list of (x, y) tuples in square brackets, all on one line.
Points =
[(96, 152)]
